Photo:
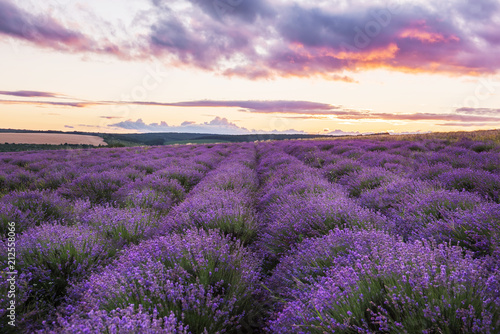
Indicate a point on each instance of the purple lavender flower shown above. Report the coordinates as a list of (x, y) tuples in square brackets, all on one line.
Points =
[(223, 200), (121, 226), (228, 211), (187, 177), (121, 321), (97, 187), (341, 168), (367, 179), (477, 230), (392, 286), (425, 171), (49, 257), (422, 209), (294, 218), (151, 192), (313, 258), (395, 194), (32, 208), (478, 181), (332, 270), (208, 281)]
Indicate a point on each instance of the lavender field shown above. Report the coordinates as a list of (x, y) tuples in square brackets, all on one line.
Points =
[(340, 236)]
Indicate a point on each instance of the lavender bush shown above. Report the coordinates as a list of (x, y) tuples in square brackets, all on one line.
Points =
[(393, 287), (209, 282), (32, 208), (423, 209), (98, 188), (49, 258)]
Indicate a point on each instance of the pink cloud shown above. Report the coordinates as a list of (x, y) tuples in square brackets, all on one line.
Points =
[(259, 39), (47, 32)]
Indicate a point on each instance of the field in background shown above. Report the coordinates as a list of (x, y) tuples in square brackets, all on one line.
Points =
[(50, 139)]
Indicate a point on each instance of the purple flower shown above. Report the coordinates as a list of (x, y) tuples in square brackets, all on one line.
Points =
[(208, 281), (48, 258), (384, 284), (395, 194), (367, 179), (477, 230), (121, 321), (478, 181), (422, 209), (121, 226), (32, 208), (96, 187)]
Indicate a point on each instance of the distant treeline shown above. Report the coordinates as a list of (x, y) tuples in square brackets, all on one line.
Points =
[(183, 138), (39, 147)]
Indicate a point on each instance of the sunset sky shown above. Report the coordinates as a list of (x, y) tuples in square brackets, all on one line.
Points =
[(240, 66)]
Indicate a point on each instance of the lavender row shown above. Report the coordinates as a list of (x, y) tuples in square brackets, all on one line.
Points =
[(457, 207), (461, 166), (296, 203), (64, 241), (400, 155), (53, 169), (198, 278), (350, 280), (367, 281), (129, 187), (196, 282), (224, 200)]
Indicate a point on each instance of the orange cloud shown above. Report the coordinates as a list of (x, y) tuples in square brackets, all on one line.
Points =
[(427, 37), (383, 53)]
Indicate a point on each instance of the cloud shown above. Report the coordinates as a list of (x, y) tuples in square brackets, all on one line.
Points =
[(339, 132), (322, 109), (284, 132), (255, 106), (315, 41), (418, 117), (478, 10), (306, 117), (242, 10), (216, 126), (111, 117), (28, 93), (469, 124), (45, 31), (294, 39), (392, 133), (51, 103), (207, 44), (69, 127), (479, 111), (264, 39), (286, 108), (343, 78)]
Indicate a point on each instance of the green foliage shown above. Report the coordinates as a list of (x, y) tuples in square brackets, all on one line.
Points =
[(40, 147), (391, 304)]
